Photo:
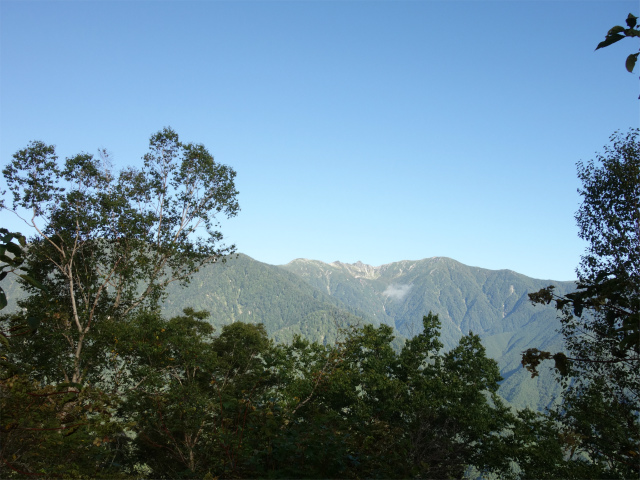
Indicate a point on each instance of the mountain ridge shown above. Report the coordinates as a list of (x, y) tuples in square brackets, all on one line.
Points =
[(491, 303), (317, 299), (359, 265)]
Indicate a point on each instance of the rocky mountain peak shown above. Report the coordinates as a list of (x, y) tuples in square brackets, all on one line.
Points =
[(359, 269)]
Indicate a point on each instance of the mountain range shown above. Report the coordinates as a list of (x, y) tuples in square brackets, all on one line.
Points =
[(317, 300)]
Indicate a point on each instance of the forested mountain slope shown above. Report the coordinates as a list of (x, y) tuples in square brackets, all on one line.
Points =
[(316, 299), (244, 290), (491, 303)]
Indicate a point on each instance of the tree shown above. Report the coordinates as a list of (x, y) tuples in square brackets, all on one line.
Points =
[(50, 431), (607, 302), (600, 321), (107, 244), (105, 248), (187, 393), (44, 429), (381, 413), (12, 258), (237, 405)]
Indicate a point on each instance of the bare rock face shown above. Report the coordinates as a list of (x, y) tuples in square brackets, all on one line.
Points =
[(359, 269)]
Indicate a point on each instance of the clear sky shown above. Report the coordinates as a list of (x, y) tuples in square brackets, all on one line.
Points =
[(360, 130)]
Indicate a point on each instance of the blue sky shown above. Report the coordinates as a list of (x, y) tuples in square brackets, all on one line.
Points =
[(360, 130)]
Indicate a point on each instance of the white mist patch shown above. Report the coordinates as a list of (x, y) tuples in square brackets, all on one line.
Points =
[(397, 292)]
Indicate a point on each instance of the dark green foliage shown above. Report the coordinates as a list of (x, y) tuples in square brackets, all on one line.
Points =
[(45, 430), (609, 219), (12, 258), (179, 401), (50, 431), (189, 393), (601, 320), (106, 246), (238, 405), (617, 33)]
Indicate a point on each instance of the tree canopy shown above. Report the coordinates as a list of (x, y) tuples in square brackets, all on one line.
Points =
[(601, 319), (106, 246), (107, 243)]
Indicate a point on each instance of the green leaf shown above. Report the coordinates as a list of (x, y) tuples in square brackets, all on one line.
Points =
[(3, 299), (631, 62), (577, 308), (627, 327), (7, 237), (631, 21), (630, 340), (33, 323), (14, 262), (21, 239), (562, 363), (15, 249), (69, 397), (32, 281), (615, 30), (610, 40)]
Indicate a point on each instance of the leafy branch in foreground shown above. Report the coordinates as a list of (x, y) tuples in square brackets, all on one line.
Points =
[(617, 33), (12, 260)]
